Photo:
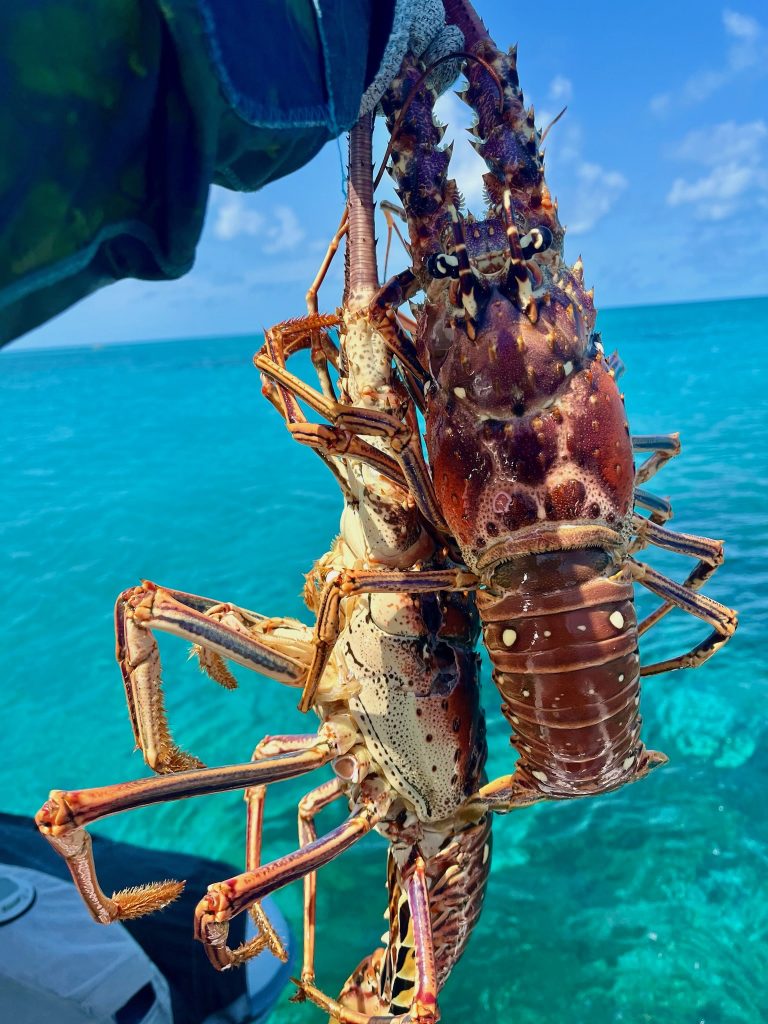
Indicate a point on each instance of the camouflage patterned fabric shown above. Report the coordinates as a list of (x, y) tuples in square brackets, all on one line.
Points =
[(117, 115)]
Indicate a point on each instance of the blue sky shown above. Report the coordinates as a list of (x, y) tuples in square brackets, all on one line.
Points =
[(660, 166)]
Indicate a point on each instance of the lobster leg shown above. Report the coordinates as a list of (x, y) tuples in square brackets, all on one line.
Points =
[(328, 442), (423, 1007), (219, 631), (348, 583), (388, 209), (309, 806), (311, 296), (266, 938), (359, 420), (63, 817), (663, 448), (703, 548), (708, 552), (712, 612), (321, 348), (226, 899), (660, 508), (404, 351), (382, 314), (254, 796)]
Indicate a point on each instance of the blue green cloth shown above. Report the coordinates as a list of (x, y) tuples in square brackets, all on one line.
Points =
[(118, 115)]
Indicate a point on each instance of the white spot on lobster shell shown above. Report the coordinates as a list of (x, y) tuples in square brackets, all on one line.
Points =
[(627, 762), (540, 776), (460, 392), (616, 619), (568, 368), (508, 637)]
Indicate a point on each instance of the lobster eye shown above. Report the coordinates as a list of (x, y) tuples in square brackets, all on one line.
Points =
[(442, 265), (536, 241)]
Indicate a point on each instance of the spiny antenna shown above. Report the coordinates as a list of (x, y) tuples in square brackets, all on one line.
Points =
[(412, 95)]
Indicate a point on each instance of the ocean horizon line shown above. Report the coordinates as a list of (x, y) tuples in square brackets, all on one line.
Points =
[(18, 346)]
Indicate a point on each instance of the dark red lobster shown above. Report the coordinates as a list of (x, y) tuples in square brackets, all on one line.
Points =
[(529, 446)]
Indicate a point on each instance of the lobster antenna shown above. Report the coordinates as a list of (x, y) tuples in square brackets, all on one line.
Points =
[(412, 95), (551, 124)]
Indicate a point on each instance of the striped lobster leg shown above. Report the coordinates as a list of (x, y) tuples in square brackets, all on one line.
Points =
[(63, 817), (227, 898), (278, 648), (434, 903)]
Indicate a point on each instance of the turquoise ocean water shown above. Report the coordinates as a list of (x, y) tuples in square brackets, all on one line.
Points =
[(163, 461)]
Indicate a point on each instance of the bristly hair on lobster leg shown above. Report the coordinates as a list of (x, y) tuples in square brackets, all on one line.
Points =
[(529, 445)]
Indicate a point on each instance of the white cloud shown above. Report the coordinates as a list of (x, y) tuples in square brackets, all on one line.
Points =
[(735, 156), (715, 193), (596, 190), (660, 103), (279, 231), (701, 85), (286, 234), (591, 190), (234, 218), (728, 140), (561, 88), (741, 26), (748, 49)]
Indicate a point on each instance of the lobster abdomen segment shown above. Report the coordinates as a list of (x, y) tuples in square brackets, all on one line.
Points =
[(566, 664)]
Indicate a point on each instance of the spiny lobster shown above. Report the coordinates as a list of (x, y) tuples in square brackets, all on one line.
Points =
[(529, 446), (392, 674)]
